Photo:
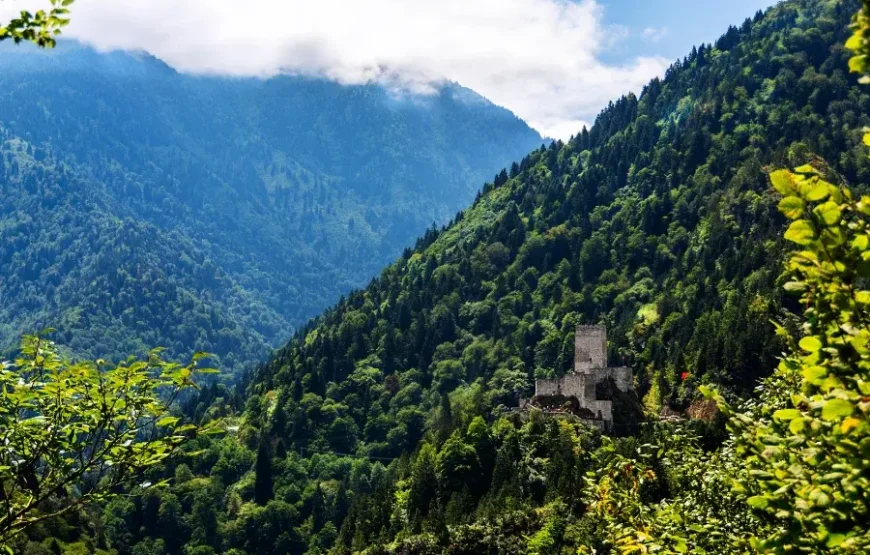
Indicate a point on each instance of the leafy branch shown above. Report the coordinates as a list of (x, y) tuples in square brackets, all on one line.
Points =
[(40, 27), (78, 430)]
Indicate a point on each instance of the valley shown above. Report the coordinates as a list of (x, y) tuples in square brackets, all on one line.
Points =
[(142, 207), (650, 337)]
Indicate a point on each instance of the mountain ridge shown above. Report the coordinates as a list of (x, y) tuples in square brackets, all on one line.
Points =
[(658, 222), (264, 177)]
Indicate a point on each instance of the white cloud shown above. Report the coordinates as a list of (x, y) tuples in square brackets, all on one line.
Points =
[(539, 58), (654, 34)]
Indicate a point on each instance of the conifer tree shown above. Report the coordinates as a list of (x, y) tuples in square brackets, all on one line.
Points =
[(263, 473)]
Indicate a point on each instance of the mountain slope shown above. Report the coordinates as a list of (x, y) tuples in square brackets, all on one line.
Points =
[(658, 222), (379, 428), (290, 190)]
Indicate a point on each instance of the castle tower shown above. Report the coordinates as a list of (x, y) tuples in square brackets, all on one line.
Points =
[(590, 349)]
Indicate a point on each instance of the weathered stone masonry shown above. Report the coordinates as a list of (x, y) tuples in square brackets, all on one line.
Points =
[(590, 369)]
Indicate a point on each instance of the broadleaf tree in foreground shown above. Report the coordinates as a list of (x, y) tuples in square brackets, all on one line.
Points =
[(793, 477), (72, 433)]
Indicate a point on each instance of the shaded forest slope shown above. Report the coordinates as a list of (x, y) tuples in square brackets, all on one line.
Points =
[(239, 207), (658, 222)]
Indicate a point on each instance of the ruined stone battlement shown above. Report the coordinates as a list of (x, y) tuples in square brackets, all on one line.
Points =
[(590, 348), (590, 370)]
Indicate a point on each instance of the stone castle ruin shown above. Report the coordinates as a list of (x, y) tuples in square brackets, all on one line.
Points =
[(586, 392)]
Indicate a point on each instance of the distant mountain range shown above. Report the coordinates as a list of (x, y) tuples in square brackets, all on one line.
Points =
[(142, 207)]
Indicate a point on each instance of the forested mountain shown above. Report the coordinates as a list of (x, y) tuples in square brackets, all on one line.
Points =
[(142, 207), (658, 222), (379, 428)]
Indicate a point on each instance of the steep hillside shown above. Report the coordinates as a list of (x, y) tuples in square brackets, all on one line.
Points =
[(379, 428), (659, 222), (274, 197)]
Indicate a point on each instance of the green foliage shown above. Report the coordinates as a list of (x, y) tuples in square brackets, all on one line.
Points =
[(263, 491), (143, 207), (72, 432), (859, 42), (807, 458), (659, 222), (40, 27), (677, 249)]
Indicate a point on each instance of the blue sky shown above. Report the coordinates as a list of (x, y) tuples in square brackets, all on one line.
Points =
[(554, 63), (674, 25)]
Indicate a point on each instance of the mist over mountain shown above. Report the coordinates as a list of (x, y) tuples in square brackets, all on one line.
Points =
[(140, 206), (653, 337)]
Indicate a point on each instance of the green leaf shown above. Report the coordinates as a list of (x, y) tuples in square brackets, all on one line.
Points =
[(816, 191), (757, 502), (786, 414), (810, 343), (814, 373), (835, 409), (783, 181), (828, 212), (801, 232), (795, 286), (792, 207), (796, 425), (168, 421)]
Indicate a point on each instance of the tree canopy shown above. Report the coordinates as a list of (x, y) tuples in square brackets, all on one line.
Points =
[(71, 433), (40, 27)]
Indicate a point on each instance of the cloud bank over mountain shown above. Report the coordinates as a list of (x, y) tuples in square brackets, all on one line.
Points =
[(539, 58)]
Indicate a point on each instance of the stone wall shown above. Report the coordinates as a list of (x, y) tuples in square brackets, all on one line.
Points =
[(590, 348), (622, 375), (548, 387), (574, 384), (570, 385), (590, 369), (604, 408)]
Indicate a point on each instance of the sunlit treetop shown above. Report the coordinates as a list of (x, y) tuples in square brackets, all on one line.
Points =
[(40, 27)]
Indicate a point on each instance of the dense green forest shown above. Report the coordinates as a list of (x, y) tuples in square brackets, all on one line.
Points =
[(380, 428), (142, 207)]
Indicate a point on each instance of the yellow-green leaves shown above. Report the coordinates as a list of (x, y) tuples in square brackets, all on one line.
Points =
[(757, 502), (801, 232), (859, 41), (69, 420), (810, 452), (784, 182), (855, 42), (40, 27), (834, 409), (858, 64), (810, 343), (813, 374), (828, 213), (787, 414), (814, 189), (805, 185), (792, 207)]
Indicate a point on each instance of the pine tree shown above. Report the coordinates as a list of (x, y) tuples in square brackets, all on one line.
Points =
[(263, 469)]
